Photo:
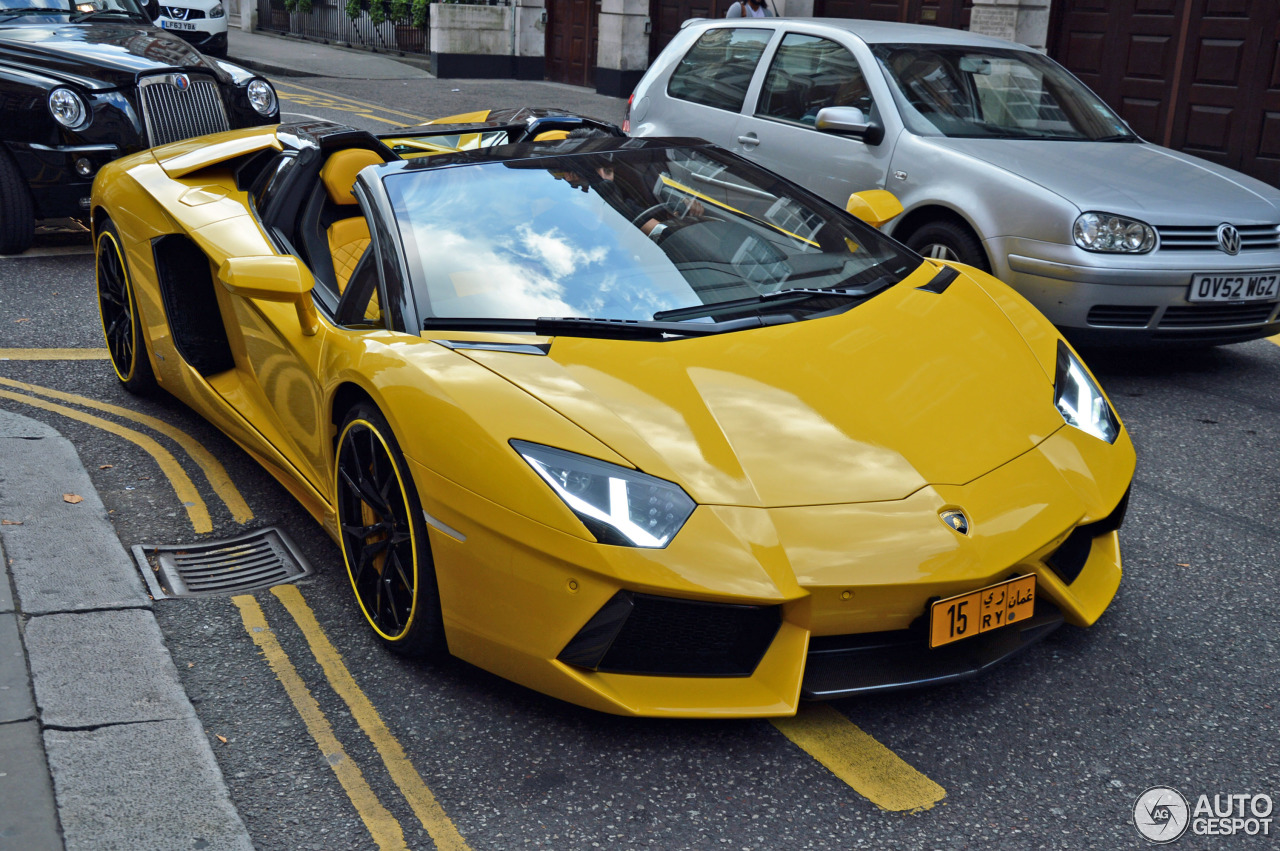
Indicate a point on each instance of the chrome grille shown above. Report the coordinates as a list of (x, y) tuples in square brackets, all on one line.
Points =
[(179, 13), (1205, 237), (172, 114)]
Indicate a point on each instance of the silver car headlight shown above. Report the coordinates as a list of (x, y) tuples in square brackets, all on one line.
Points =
[(262, 97), (217, 11), (619, 506), (67, 107), (1115, 234), (1080, 400)]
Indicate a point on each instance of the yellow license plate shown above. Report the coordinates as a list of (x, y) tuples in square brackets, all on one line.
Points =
[(967, 615)]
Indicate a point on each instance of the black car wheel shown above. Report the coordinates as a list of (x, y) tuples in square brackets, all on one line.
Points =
[(118, 309), (943, 240), (17, 218), (384, 537)]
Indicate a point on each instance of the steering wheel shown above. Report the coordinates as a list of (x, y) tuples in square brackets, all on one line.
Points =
[(649, 213)]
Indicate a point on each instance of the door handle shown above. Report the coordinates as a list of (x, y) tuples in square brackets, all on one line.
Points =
[(750, 140)]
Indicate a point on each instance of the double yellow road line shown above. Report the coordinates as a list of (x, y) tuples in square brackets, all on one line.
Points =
[(305, 96)]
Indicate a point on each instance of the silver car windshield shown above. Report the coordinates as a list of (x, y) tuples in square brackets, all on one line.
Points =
[(984, 93), (624, 234)]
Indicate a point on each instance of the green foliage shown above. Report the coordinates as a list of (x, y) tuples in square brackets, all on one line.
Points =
[(304, 6), (290, 5), (418, 13), (399, 11), (353, 9), (377, 12)]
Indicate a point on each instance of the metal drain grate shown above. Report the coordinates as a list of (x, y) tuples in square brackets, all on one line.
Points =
[(257, 560)]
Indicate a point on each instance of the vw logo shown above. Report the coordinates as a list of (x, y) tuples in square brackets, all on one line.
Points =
[(1228, 238), (956, 520), (182, 82)]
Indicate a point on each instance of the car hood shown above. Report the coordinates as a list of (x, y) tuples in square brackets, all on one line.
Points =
[(101, 54), (1146, 181), (909, 389)]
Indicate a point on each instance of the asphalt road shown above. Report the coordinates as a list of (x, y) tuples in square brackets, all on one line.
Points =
[(1176, 685)]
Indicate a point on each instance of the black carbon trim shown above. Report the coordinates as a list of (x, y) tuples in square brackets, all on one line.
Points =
[(938, 283), (191, 305)]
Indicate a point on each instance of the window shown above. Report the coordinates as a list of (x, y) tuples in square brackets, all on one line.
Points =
[(808, 74), (717, 70)]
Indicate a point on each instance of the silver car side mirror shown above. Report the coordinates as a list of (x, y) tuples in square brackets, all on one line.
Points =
[(849, 121)]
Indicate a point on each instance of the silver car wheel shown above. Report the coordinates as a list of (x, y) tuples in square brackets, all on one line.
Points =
[(939, 251)]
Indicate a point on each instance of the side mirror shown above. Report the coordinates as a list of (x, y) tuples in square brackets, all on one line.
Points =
[(849, 121), (273, 278), (874, 206)]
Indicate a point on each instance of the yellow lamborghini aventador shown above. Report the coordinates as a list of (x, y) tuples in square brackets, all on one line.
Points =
[(632, 422)]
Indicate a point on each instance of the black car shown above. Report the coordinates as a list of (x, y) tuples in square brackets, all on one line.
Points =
[(85, 81)]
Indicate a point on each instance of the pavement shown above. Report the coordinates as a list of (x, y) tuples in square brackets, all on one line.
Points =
[(297, 57)]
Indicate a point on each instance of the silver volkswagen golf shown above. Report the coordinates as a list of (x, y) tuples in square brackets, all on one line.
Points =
[(1001, 158)]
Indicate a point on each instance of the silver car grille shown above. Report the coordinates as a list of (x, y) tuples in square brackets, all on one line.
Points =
[(180, 13), (178, 106), (1205, 237)]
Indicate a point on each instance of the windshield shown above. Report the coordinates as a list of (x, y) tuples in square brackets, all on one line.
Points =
[(622, 235), (991, 92), (10, 9)]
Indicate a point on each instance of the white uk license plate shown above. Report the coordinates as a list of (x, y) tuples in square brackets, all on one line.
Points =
[(178, 25), (1249, 286)]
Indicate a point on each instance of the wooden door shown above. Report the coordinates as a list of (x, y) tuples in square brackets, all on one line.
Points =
[(1201, 76), (572, 41), (942, 13), (666, 16)]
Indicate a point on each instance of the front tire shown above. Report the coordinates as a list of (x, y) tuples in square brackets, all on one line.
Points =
[(17, 216), (384, 537), (943, 240), (118, 310)]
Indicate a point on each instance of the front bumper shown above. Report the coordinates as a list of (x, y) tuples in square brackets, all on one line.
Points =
[(515, 593), (205, 39), (1134, 300), (57, 189)]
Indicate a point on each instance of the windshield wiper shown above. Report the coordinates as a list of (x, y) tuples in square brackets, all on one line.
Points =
[(782, 297), (1118, 137), (586, 326)]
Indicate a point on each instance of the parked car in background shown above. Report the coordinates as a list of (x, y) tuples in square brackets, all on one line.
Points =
[(83, 83), (1002, 160), (202, 23), (632, 422)]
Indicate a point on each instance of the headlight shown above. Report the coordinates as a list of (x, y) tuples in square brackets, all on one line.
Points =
[(217, 11), (1080, 400), (262, 97), (67, 107), (617, 505), (1105, 232)]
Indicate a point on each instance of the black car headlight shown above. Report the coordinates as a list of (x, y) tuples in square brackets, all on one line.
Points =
[(262, 97), (617, 505), (1113, 234), (1080, 400), (68, 108)]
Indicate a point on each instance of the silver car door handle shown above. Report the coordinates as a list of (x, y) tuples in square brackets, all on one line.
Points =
[(750, 140)]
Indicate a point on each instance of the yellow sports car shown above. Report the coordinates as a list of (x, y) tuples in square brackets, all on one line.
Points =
[(632, 422)]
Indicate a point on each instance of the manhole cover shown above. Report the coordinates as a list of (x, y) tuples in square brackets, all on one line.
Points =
[(257, 560)]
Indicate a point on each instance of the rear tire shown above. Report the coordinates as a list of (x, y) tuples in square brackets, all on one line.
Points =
[(384, 537), (118, 310), (17, 216), (944, 240)]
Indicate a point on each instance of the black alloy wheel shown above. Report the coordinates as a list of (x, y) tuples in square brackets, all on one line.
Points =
[(945, 240), (118, 309), (384, 537)]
